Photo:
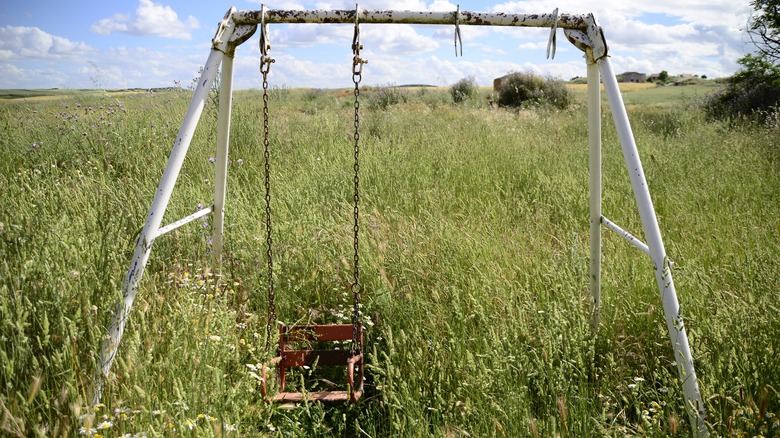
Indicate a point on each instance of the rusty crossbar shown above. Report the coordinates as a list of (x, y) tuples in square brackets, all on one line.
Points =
[(564, 21)]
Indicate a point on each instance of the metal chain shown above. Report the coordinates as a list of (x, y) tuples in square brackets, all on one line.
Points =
[(357, 69), (265, 67)]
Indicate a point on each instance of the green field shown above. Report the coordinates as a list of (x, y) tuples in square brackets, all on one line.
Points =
[(474, 252), (660, 95)]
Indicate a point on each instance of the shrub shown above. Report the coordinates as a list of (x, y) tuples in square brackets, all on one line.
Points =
[(386, 96), (753, 92), (528, 89), (280, 93), (464, 89)]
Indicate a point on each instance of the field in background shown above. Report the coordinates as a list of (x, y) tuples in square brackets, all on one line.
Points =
[(652, 94), (22, 95), (474, 249)]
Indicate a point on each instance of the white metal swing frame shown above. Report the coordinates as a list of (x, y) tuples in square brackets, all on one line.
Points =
[(581, 30)]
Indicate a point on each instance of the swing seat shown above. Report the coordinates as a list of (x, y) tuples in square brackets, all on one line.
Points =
[(309, 335)]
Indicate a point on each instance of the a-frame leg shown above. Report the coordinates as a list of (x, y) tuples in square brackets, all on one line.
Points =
[(151, 229), (661, 266), (223, 141)]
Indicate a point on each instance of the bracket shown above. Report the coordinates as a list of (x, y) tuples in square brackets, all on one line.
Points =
[(229, 35), (592, 42)]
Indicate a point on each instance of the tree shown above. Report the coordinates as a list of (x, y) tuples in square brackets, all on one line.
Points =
[(764, 28), (663, 76), (754, 90)]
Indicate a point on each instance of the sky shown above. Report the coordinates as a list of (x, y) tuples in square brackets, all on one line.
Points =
[(161, 43)]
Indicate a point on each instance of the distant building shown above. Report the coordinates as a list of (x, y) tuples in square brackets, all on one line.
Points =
[(498, 82), (632, 76)]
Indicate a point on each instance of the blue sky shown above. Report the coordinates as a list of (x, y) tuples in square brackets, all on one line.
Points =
[(152, 43)]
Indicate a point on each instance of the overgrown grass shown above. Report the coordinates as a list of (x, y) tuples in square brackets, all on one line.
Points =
[(474, 250)]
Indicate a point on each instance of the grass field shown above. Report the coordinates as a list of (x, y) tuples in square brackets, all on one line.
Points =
[(474, 250), (652, 94)]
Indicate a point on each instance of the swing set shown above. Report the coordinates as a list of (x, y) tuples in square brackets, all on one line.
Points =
[(302, 345)]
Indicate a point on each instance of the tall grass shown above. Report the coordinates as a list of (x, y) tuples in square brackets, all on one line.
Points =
[(474, 250)]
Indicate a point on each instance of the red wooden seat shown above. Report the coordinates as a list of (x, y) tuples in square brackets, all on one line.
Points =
[(309, 336)]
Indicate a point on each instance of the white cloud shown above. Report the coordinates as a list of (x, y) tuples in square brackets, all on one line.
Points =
[(728, 12), (281, 5), (320, 56), (540, 45), (31, 42), (693, 36), (140, 67), (308, 34), (403, 39), (12, 76), (150, 20), (400, 38)]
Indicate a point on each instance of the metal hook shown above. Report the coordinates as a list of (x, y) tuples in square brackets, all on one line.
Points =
[(265, 44), (356, 46), (551, 41), (357, 61), (457, 33)]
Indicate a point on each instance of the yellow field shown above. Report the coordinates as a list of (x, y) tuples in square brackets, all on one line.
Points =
[(63, 94)]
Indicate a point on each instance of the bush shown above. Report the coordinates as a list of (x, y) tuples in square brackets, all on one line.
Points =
[(752, 93), (464, 89), (386, 96), (528, 89)]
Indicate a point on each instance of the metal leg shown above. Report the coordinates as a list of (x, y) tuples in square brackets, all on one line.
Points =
[(663, 272), (594, 138), (143, 245), (223, 144)]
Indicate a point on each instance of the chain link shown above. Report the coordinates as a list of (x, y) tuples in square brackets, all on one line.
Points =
[(357, 67), (265, 67)]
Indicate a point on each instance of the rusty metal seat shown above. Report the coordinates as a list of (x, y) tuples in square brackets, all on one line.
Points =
[(308, 336)]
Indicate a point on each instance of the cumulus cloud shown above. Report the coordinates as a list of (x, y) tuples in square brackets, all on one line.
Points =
[(307, 35), (664, 35), (691, 36), (12, 76), (150, 19), (32, 42), (404, 38)]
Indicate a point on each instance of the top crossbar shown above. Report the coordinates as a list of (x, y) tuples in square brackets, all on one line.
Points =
[(564, 21), (582, 30)]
